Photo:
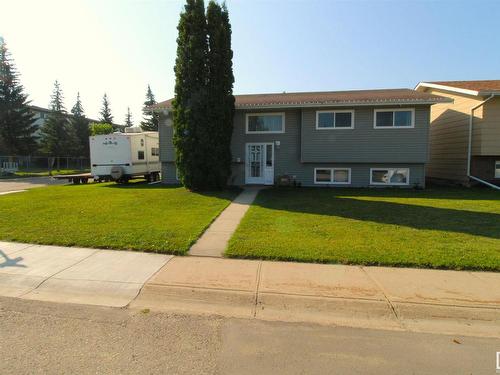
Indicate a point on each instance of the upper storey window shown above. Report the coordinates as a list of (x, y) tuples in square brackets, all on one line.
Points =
[(394, 118), (334, 120), (265, 123)]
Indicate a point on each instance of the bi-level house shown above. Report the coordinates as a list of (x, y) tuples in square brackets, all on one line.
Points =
[(343, 138), (465, 133)]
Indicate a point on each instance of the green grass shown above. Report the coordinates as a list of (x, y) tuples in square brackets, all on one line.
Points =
[(448, 228), (42, 173), (136, 216)]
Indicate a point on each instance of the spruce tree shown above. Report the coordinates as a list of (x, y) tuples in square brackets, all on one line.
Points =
[(106, 116), (57, 136), (151, 119), (16, 120), (191, 138), (80, 126), (220, 92), (128, 118)]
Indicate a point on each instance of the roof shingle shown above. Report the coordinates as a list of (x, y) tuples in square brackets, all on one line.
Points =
[(335, 98)]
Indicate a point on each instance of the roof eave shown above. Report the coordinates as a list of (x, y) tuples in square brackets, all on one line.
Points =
[(447, 88), (347, 104)]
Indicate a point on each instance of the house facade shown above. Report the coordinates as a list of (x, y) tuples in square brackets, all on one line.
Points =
[(464, 132), (345, 138)]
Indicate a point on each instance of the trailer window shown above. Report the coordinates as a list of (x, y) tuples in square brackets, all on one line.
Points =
[(155, 151), (140, 155)]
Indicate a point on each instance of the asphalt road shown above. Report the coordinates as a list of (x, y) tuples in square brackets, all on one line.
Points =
[(39, 337), (27, 183)]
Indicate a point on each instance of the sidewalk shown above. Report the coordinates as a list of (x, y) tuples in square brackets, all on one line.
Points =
[(214, 240), (374, 297)]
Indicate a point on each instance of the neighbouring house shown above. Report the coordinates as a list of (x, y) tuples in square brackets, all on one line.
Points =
[(343, 138), (465, 132), (41, 114)]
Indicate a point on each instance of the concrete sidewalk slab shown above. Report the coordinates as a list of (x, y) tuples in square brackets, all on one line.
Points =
[(456, 288), (349, 312), (45, 261), (9, 248), (115, 265), (209, 273), (88, 292), (326, 294), (203, 285), (31, 265), (12, 192), (214, 241), (318, 280), (111, 278)]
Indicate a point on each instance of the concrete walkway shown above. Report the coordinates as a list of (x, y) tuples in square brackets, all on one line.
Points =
[(452, 302), (75, 275), (214, 241)]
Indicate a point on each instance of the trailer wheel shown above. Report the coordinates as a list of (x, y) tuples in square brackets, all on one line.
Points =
[(147, 177)]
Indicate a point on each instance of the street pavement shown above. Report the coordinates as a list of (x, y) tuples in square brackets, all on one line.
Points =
[(25, 183), (39, 337)]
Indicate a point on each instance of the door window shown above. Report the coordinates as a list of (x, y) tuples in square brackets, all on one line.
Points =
[(269, 155), (255, 160)]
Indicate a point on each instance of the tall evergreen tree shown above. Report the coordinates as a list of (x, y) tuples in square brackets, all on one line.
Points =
[(191, 137), (105, 113), (220, 92), (16, 120), (57, 136), (80, 126), (151, 119), (128, 118)]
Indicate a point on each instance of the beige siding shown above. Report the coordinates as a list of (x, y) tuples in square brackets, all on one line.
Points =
[(490, 128), (449, 136)]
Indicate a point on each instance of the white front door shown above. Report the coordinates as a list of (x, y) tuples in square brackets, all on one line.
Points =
[(259, 163)]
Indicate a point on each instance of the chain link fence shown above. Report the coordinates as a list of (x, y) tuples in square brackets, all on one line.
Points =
[(42, 165)]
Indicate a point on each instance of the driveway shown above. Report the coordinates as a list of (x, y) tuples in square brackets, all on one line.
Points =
[(17, 184)]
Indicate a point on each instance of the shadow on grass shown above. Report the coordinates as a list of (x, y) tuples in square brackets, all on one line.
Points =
[(333, 203)]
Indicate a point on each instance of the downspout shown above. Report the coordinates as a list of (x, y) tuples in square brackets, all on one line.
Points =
[(469, 150)]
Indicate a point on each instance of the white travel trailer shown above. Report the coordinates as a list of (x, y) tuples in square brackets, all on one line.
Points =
[(122, 156)]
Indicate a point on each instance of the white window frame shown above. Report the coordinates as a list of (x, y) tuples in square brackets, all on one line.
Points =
[(497, 170), (282, 114), (389, 183), (412, 110), (351, 111), (332, 174)]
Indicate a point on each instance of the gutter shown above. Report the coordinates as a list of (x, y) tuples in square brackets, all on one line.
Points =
[(469, 150)]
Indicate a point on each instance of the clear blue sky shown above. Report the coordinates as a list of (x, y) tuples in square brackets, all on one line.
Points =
[(119, 46)]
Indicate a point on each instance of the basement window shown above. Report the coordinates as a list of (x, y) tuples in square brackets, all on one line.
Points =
[(341, 176), (389, 176)]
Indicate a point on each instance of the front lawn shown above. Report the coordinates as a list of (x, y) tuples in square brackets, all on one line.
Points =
[(135, 216), (436, 228)]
